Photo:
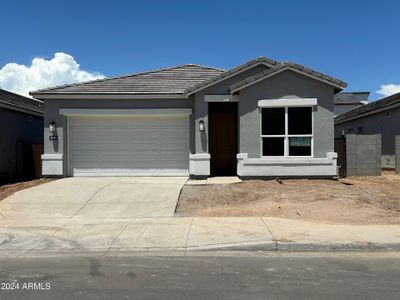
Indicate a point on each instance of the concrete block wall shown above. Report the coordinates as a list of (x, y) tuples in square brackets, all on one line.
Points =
[(363, 155), (397, 156)]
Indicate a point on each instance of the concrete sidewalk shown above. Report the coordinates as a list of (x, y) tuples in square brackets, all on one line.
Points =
[(73, 235)]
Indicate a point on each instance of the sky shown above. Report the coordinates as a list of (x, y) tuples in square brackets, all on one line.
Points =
[(46, 43)]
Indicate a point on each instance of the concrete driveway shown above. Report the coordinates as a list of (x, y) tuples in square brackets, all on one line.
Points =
[(96, 198)]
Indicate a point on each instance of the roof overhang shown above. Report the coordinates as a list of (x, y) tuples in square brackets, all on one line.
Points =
[(22, 110), (365, 114), (111, 96)]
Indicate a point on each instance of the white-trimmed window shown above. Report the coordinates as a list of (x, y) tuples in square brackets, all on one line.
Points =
[(287, 131)]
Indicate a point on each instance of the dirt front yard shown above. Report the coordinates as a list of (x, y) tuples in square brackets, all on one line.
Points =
[(9, 189), (353, 200)]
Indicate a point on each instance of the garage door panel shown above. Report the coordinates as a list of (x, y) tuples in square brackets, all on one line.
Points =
[(128, 146)]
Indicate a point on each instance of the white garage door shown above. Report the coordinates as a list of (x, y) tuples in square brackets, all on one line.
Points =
[(129, 146)]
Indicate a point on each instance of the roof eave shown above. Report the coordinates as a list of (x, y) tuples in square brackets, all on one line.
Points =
[(22, 109), (350, 103), (48, 96), (346, 118)]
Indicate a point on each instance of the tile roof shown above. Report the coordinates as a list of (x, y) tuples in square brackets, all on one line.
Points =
[(288, 65), (21, 102), (351, 98), (369, 108), (179, 80), (172, 80), (230, 72)]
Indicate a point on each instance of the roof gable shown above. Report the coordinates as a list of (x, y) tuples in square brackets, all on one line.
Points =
[(338, 84), (231, 72)]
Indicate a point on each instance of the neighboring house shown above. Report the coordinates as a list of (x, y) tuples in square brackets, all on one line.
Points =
[(381, 116), (21, 123), (346, 101), (262, 118)]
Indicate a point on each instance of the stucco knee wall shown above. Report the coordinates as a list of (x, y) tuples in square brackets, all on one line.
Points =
[(287, 167), (199, 165)]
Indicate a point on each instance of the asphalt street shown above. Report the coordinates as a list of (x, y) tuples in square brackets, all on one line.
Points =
[(255, 276)]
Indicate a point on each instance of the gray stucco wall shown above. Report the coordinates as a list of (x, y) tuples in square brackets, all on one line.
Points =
[(16, 127), (52, 107), (385, 123), (201, 107), (287, 84)]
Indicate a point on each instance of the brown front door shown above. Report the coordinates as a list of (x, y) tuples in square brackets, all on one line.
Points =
[(223, 142)]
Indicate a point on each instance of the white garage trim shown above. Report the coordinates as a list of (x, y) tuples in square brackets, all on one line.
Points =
[(128, 145), (123, 112)]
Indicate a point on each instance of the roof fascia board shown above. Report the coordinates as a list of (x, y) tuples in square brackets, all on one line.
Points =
[(368, 113), (352, 103), (285, 69), (230, 76), (318, 78), (22, 110), (110, 96)]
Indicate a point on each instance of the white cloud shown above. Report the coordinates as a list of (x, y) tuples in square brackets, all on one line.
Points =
[(43, 73), (389, 89)]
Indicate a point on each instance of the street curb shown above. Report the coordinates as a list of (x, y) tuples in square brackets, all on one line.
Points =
[(266, 247), (247, 246), (303, 247)]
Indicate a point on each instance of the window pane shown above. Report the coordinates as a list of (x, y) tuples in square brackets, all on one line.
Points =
[(273, 121), (273, 146), (300, 120), (299, 146)]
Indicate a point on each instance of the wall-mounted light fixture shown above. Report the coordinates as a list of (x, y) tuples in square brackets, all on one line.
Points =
[(201, 125), (52, 131)]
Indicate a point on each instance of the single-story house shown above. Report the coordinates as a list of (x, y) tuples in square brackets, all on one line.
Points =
[(346, 101), (21, 123), (378, 117), (260, 119)]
